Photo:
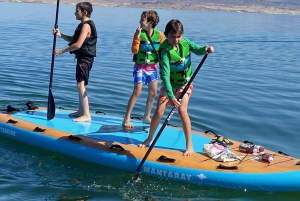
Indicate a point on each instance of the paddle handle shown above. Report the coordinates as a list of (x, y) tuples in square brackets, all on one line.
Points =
[(54, 45)]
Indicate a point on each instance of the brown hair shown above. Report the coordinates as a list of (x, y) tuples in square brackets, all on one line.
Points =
[(174, 26), (85, 6), (151, 16)]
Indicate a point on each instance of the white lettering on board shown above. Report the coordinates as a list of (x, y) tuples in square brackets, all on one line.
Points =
[(169, 174), (7, 131)]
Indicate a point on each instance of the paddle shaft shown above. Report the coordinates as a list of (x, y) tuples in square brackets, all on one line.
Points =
[(51, 103), (136, 175)]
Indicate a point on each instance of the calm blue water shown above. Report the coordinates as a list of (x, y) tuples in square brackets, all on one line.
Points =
[(249, 89)]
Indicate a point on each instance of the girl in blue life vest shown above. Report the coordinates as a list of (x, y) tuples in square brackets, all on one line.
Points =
[(145, 67), (175, 72)]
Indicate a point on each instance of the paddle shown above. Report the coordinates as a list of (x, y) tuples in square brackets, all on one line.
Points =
[(51, 103), (138, 170)]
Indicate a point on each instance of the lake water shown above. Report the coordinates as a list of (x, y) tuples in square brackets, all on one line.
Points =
[(249, 89)]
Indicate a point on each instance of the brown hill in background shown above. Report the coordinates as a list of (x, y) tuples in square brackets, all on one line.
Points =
[(255, 6), (288, 3)]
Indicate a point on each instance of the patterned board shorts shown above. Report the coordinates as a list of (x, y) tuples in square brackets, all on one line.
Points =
[(143, 76)]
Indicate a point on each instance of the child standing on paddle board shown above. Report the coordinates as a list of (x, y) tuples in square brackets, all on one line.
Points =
[(83, 45), (145, 67), (175, 72)]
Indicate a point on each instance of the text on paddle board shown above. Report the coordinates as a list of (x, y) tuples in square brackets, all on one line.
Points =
[(163, 173), (7, 131)]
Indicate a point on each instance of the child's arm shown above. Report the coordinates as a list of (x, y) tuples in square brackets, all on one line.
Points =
[(136, 41), (66, 37), (164, 69), (196, 49), (162, 37), (63, 36), (86, 29), (165, 76)]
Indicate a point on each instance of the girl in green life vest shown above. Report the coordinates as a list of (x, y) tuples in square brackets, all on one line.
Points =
[(175, 72), (145, 63)]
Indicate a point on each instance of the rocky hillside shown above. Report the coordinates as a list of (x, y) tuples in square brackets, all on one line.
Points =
[(253, 6), (282, 3), (228, 2)]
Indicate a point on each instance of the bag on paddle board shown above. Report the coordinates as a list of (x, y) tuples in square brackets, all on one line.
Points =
[(220, 153)]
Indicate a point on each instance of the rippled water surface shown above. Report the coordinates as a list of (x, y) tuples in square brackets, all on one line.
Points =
[(249, 89)]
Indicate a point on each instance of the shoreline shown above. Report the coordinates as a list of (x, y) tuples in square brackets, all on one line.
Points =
[(182, 6)]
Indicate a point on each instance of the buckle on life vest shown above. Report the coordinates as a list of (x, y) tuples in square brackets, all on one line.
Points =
[(147, 61), (186, 69), (147, 42), (182, 60), (147, 52), (186, 80)]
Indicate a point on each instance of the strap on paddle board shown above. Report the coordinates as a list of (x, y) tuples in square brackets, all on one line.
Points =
[(71, 137), (31, 106), (227, 167), (116, 146), (38, 129), (11, 121), (165, 159)]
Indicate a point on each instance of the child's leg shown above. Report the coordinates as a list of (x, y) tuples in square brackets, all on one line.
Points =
[(79, 112), (186, 125), (159, 111), (83, 67), (83, 99), (152, 88), (131, 102)]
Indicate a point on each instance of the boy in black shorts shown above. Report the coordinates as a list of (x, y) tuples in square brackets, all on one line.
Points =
[(83, 45)]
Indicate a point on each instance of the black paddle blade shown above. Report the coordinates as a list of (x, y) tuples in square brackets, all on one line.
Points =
[(51, 106), (135, 178)]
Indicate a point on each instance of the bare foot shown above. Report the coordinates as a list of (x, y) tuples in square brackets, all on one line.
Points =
[(189, 152), (145, 143), (146, 120), (82, 118), (127, 124), (76, 114)]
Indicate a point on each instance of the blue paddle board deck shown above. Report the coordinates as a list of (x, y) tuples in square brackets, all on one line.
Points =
[(110, 128), (105, 141)]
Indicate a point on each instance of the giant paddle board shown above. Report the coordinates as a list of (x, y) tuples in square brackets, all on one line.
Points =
[(105, 141)]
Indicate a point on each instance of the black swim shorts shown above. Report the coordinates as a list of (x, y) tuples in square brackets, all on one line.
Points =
[(83, 68)]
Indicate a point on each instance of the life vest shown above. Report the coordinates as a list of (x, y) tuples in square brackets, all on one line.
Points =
[(146, 54), (88, 48), (221, 140), (180, 65)]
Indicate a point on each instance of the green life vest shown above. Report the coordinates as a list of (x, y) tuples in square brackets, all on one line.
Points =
[(146, 54), (180, 65)]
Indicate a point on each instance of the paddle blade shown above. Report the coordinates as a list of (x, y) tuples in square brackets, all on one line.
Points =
[(51, 106), (135, 178)]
